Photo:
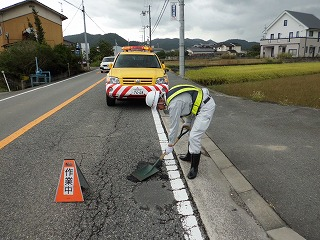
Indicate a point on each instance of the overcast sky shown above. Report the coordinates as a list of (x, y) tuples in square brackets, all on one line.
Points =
[(218, 20)]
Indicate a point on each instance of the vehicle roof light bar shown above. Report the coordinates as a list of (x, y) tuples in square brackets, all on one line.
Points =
[(137, 48)]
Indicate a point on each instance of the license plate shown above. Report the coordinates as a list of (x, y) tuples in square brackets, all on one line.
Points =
[(137, 92)]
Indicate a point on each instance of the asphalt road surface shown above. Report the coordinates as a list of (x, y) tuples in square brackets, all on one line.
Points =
[(108, 144)]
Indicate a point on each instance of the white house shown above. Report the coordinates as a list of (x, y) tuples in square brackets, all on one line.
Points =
[(215, 49), (224, 47), (292, 32), (228, 48)]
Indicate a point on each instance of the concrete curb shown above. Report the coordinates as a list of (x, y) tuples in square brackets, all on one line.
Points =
[(274, 227)]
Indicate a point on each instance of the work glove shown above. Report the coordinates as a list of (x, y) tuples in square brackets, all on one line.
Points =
[(168, 150)]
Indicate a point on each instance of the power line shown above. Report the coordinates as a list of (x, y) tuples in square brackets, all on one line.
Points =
[(72, 18), (96, 24), (79, 8), (72, 4), (165, 4)]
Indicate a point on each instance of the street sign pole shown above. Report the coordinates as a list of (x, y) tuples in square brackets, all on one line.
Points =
[(181, 41), (85, 36)]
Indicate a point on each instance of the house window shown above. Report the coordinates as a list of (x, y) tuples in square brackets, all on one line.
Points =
[(306, 49), (318, 36), (290, 35), (285, 23), (272, 36), (310, 33), (279, 35), (293, 52), (297, 34)]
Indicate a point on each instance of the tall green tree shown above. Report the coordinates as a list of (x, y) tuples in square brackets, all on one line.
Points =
[(104, 49), (30, 34), (38, 24)]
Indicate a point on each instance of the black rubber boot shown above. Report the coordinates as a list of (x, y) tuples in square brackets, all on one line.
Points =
[(195, 159), (186, 157)]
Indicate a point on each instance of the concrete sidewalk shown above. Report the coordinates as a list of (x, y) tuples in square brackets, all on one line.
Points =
[(228, 205)]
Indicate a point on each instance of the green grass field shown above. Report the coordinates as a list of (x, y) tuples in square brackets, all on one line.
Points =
[(287, 83)]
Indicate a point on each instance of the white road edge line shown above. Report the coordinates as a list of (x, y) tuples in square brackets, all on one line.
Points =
[(189, 221), (45, 86)]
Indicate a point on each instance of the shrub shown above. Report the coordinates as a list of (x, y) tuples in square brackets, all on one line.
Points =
[(20, 60), (227, 56), (285, 56)]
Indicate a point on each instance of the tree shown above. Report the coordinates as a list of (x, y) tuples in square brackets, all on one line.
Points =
[(254, 51), (11, 59), (29, 33), (94, 54), (19, 59), (40, 32), (161, 54), (65, 60), (103, 49)]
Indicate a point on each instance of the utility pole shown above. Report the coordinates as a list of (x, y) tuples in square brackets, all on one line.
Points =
[(144, 13), (181, 40), (85, 30), (85, 36), (149, 27), (144, 34)]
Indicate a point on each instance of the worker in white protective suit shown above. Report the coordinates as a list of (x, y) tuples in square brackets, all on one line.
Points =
[(196, 107)]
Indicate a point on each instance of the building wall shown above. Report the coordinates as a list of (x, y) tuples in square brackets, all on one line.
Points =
[(14, 21), (237, 48), (224, 48), (292, 26), (298, 47), (301, 45)]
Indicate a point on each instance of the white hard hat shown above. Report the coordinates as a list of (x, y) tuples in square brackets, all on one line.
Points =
[(152, 98)]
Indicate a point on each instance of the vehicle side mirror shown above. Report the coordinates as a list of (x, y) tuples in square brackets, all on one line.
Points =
[(164, 68), (110, 65)]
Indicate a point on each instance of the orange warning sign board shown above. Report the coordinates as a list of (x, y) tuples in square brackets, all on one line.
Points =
[(69, 189)]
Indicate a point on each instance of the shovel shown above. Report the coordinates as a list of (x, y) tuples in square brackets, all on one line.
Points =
[(147, 171)]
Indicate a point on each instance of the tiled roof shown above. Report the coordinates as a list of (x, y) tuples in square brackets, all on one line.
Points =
[(199, 50), (307, 19)]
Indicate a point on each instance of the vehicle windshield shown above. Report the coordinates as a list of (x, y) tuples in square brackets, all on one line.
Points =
[(137, 61), (108, 59)]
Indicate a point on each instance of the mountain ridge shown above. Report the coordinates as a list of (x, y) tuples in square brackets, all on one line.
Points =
[(165, 43)]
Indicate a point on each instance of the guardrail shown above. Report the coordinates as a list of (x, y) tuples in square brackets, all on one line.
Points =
[(40, 78)]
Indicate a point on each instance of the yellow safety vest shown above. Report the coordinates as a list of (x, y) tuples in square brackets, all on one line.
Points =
[(195, 92)]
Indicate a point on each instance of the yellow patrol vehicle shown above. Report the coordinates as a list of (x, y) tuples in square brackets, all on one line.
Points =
[(135, 71)]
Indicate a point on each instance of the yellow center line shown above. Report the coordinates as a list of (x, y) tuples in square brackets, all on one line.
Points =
[(4, 142)]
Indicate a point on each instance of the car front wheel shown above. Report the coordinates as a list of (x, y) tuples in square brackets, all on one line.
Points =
[(110, 101)]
